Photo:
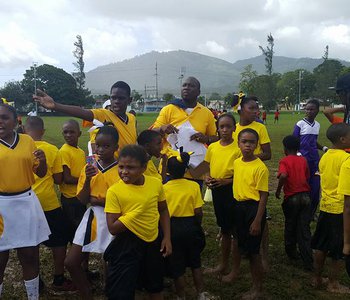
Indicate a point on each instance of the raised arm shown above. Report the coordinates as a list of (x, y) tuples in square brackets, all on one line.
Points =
[(47, 102), (329, 112)]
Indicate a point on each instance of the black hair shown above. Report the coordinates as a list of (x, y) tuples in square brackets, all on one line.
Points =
[(111, 131), (122, 85), (11, 109), (72, 122), (226, 115), (147, 136), (248, 130), (315, 102), (177, 168), (337, 131), (291, 143), (136, 152), (245, 100), (35, 123), (195, 80)]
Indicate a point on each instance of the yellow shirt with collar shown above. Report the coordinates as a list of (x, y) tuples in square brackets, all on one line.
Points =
[(182, 197), (17, 163), (44, 187), (201, 118), (249, 179), (127, 131), (152, 170), (101, 182), (74, 159), (330, 164), (221, 159), (259, 128), (138, 206)]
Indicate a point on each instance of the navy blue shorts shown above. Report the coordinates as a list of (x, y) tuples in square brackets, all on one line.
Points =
[(245, 213), (132, 264)]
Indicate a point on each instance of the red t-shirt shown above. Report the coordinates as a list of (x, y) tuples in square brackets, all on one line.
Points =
[(297, 175), (277, 113)]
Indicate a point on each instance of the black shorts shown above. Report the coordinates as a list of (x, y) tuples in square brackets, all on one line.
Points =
[(74, 211), (188, 241), (245, 213), (133, 263), (57, 221), (329, 235), (223, 202)]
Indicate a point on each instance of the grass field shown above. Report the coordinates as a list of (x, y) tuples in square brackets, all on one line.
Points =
[(285, 280)]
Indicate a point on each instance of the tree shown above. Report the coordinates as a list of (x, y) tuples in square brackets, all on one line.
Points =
[(167, 97), (13, 91), (325, 55), (268, 53), (246, 81), (262, 89), (228, 98), (326, 75), (215, 96), (57, 83), (78, 53), (136, 96)]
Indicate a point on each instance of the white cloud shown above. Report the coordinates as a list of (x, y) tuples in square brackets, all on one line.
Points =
[(215, 48), (17, 48), (337, 34)]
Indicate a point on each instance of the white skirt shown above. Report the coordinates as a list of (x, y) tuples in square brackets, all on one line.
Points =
[(22, 221), (92, 233)]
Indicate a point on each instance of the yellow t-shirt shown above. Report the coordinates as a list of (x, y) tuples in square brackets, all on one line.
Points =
[(101, 182), (221, 159), (329, 167), (138, 206), (17, 163), (249, 179), (201, 118), (74, 159), (259, 128), (344, 175), (152, 170), (182, 196), (127, 132), (44, 187)]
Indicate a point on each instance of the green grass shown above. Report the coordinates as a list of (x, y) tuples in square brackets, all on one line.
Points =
[(285, 280)]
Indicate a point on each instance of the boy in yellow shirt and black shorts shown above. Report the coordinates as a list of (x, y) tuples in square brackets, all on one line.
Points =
[(250, 181), (329, 234), (44, 188), (73, 161), (134, 207)]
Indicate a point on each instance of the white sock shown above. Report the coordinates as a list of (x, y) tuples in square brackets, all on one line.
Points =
[(32, 287), (1, 289)]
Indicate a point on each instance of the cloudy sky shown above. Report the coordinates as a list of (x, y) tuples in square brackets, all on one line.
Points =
[(45, 31)]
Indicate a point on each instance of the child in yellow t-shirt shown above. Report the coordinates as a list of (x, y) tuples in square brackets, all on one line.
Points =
[(73, 161), (44, 188), (135, 205), (152, 142), (218, 162), (185, 203), (250, 181), (328, 237), (92, 234)]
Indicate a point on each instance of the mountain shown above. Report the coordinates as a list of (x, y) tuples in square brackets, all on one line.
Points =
[(215, 75)]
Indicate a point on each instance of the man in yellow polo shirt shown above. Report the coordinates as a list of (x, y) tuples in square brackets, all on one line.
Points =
[(188, 109)]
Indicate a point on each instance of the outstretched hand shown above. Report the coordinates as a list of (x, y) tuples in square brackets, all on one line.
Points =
[(44, 99)]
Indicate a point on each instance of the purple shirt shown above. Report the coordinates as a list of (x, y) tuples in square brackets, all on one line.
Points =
[(308, 133)]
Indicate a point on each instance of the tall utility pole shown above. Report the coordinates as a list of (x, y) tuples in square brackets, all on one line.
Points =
[(156, 82), (300, 78), (182, 74), (36, 103)]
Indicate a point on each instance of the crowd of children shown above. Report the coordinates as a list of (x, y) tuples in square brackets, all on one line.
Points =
[(148, 224)]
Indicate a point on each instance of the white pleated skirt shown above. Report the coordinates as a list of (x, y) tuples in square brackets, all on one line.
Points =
[(92, 233), (22, 221)]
